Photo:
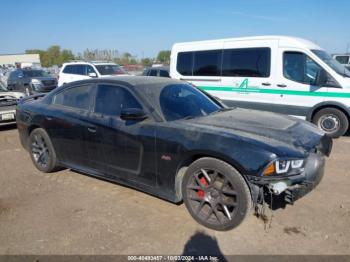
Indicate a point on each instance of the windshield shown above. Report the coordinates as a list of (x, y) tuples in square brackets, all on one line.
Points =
[(3, 88), (35, 73), (180, 101), (334, 64), (110, 70)]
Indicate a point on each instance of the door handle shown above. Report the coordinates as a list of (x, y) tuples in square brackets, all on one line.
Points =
[(48, 118), (282, 85), (266, 84), (92, 129)]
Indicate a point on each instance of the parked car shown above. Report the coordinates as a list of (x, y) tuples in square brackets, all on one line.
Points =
[(343, 59), (281, 74), (8, 102), (31, 81), (170, 139), (81, 70), (161, 71)]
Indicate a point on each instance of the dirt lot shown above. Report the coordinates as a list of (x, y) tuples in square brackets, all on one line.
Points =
[(70, 213)]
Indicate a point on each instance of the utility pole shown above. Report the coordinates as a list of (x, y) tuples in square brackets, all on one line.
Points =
[(347, 48)]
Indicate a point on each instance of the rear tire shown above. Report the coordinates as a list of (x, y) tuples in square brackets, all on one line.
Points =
[(332, 121), (215, 194), (41, 151)]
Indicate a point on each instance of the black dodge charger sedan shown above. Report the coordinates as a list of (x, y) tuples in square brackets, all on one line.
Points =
[(172, 140)]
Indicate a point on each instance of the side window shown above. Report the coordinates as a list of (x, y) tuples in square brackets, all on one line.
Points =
[(300, 68), (164, 73), (68, 69), (75, 69), (343, 59), (207, 63), (76, 97), (89, 69), (246, 62), (153, 72), (185, 63), (111, 100)]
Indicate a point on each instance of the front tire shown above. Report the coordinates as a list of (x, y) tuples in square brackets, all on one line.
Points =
[(41, 151), (215, 194), (332, 121)]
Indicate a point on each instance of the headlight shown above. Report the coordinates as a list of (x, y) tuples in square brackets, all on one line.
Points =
[(284, 166), (35, 82)]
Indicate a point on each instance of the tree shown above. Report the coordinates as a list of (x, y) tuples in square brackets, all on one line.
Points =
[(66, 56), (164, 56), (146, 61), (52, 56)]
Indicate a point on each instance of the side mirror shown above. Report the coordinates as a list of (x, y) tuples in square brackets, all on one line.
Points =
[(92, 75), (322, 78), (133, 114)]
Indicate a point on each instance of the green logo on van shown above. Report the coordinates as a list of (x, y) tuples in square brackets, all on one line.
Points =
[(244, 84)]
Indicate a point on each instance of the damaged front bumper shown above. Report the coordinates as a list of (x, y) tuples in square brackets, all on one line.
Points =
[(291, 188)]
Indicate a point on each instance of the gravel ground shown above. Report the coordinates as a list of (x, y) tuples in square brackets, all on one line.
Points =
[(71, 213)]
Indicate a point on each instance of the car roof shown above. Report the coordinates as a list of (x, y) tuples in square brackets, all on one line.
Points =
[(89, 63), (148, 86)]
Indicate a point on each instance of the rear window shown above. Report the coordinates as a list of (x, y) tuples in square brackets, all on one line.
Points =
[(77, 97), (247, 62), (110, 70)]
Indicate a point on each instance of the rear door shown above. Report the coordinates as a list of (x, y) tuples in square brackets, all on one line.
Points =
[(74, 72), (124, 149), (67, 124)]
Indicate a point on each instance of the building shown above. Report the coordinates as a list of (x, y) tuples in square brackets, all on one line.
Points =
[(26, 60)]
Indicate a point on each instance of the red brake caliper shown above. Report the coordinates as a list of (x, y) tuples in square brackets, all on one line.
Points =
[(203, 182)]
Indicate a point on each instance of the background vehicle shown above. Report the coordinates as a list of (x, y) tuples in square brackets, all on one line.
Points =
[(274, 73), (161, 71), (8, 102), (170, 139), (343, 59), (30, 81), (81, 70)]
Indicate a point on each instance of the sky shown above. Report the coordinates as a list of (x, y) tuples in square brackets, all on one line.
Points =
[(144, 27)]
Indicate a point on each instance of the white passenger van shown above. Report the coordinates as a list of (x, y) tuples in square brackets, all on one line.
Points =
[(274, 73)]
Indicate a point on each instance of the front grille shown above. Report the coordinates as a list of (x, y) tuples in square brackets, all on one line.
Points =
[(49, 82)]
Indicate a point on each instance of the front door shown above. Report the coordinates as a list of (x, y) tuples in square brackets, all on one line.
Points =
[(297, 82), (124, 149)]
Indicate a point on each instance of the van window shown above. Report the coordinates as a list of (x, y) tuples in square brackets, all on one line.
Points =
[(185, 63), (246, 62), (300, 68), (207, 63)]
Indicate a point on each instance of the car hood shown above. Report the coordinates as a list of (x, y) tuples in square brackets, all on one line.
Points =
[(45, 78), (7, 94), (277, 133)]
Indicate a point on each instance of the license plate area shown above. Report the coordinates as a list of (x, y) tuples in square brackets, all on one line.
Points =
[(7, 116)]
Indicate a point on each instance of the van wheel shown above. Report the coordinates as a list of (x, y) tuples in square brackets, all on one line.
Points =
[(215, 194), (41, 151), (333, 121)]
